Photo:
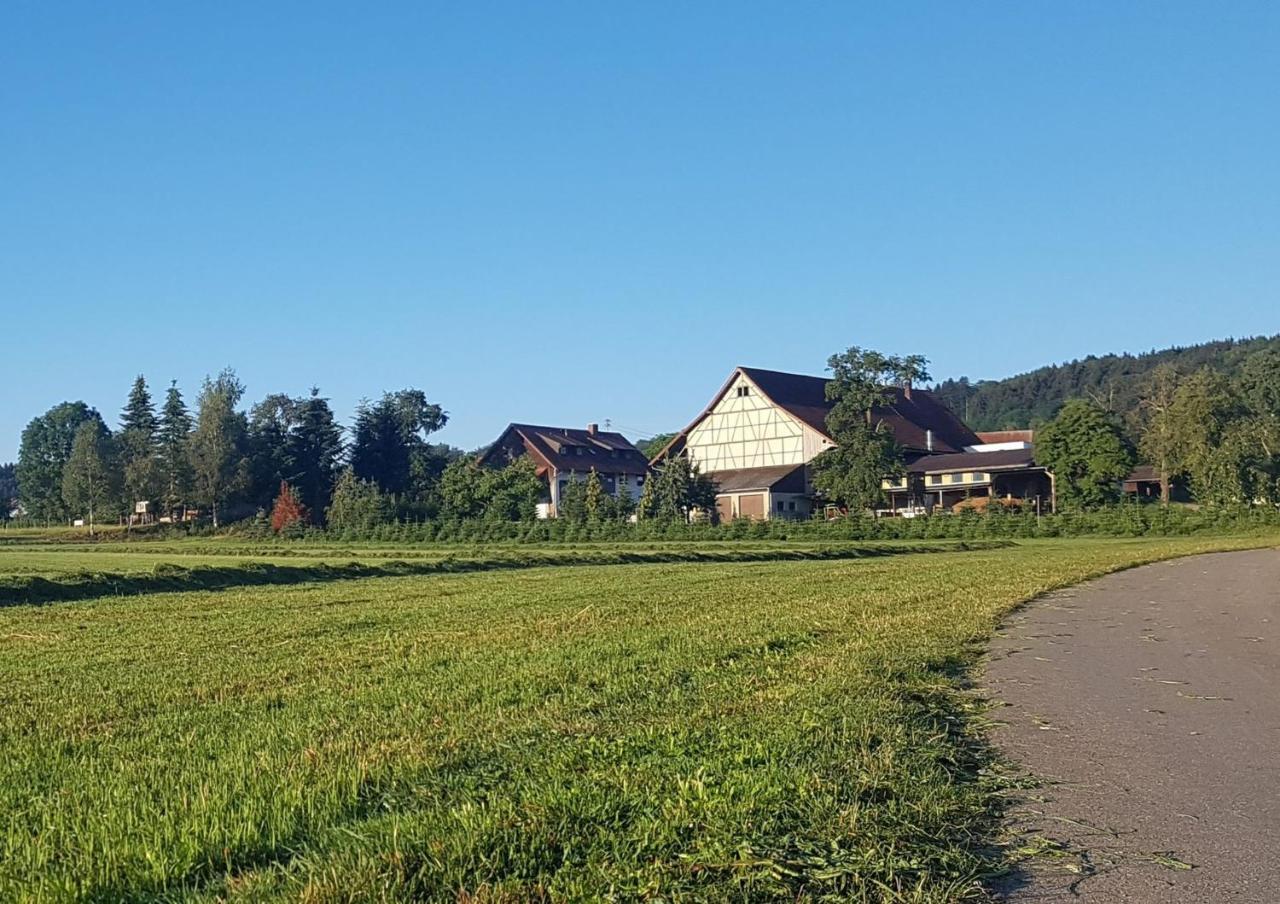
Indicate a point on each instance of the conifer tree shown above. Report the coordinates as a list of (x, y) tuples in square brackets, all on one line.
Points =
[(288, 511), (173, 454), (314, 451), (138, 448)]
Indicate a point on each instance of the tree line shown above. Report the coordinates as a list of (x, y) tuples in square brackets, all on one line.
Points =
[(289, 462), (1115, 383), (225, 461)]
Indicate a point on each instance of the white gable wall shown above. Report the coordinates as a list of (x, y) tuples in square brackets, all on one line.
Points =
[(749, 431)]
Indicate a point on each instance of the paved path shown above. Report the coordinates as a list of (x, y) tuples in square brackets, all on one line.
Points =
[(1149, 703)]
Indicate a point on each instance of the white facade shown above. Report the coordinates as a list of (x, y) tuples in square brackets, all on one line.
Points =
[(745, 430)]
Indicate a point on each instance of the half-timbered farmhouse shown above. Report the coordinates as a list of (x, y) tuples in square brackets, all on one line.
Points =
[(759, 433)]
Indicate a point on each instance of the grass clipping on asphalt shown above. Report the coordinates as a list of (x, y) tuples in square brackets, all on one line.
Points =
[(724, 731)]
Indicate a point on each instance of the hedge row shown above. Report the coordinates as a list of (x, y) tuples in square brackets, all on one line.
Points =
[(1120, 521)]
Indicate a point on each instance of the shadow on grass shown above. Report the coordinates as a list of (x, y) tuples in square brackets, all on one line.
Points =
[(34, 589)]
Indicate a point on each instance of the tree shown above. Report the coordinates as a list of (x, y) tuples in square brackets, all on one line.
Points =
[(46, 446), (173, 455), (865, 452), (357, 504), (511, 493), (8, 490), (287, 512), (88, 486), (389, 445), (654, 444), (1086, 453), (1259, 387), (678, 490), (270, 422), (461, 490), (593, 497), (218, 443), (138, 449), (1205, 407), (572, 502), (313, 450), (1161, 442)]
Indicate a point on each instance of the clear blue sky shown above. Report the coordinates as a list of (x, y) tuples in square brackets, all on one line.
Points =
[(586, 212)]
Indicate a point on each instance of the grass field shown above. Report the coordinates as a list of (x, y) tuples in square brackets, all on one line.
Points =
[(792, 730)]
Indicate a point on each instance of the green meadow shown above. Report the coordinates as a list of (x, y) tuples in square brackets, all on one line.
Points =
[(723, 730)]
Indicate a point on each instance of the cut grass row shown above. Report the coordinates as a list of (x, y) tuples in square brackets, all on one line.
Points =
[(39, 576), (759, 731)]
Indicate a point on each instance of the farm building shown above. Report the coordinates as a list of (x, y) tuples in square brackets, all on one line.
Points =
[(564, 454), (760, 431)]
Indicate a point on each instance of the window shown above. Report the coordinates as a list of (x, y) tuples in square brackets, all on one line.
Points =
[(743, 391), (791, 506), (782, 506)]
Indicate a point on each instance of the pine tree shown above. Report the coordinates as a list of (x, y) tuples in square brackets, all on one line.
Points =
[(174, 451), (139, 458)]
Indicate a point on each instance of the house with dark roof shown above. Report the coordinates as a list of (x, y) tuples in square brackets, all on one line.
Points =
[(566, 454), (760, 431)]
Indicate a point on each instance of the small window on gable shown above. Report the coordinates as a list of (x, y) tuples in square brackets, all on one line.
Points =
[(744, 391)]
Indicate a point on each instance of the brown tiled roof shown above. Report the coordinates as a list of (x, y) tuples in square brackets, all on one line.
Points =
[(569, 449), (909, 417), (973, 461), (783, 478), (1007, 436)]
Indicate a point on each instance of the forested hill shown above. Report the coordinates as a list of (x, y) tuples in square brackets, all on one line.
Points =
[(1114, 381)]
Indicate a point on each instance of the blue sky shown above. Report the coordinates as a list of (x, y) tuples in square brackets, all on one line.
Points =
[(567, 213)]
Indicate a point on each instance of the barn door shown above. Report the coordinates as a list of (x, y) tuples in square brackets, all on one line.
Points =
[(724, 508), (751, 506)]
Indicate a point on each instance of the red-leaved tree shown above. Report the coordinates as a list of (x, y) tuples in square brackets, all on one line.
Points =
[(288, 509)]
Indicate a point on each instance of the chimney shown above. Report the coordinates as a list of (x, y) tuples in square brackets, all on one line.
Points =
[(928, 440), (906, 388), (593, 429)]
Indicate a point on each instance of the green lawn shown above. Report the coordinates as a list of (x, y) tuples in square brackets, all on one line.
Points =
[(773, 730)]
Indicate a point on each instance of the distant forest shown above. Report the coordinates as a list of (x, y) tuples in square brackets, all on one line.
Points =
[(1114, 382)]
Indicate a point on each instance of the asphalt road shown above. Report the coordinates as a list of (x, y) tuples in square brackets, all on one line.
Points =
[(1148, 704)]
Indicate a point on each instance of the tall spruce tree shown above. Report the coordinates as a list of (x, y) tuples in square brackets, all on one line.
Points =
[(314, 452), (174, 452), (270, 422), (138, 448), (389, 445)]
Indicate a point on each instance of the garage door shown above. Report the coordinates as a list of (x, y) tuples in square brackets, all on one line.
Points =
[(751, 506)]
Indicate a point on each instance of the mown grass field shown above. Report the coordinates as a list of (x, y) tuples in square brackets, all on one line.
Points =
[(790, 730)]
